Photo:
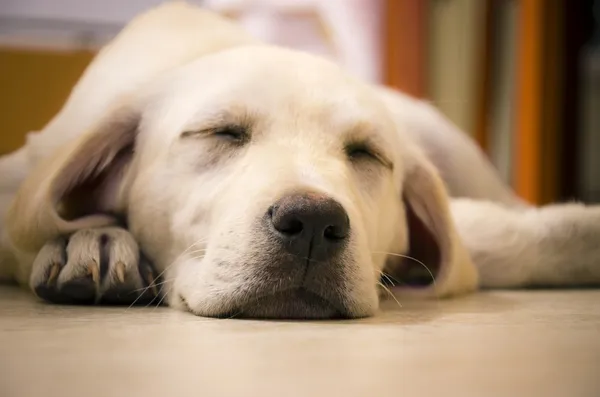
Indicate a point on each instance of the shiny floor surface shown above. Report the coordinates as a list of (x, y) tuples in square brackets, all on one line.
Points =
[(538, 343)]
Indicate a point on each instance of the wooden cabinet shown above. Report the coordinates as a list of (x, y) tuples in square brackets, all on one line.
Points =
[(507, 72), (33, 86)]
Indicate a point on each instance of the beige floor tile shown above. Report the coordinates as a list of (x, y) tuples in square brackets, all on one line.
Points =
[(509, 344)]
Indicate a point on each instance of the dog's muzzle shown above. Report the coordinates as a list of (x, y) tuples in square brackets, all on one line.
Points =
[(310, 225), (303, 276)]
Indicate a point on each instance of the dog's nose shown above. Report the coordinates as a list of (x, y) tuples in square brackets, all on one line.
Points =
[(310, 225)]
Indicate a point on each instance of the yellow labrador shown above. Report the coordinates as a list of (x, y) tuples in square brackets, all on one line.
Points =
[(234, 178)]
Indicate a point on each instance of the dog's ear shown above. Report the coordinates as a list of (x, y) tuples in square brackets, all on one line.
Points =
[(439, 265), (79, 186)]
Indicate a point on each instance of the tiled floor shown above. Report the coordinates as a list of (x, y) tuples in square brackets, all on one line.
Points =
[(491, 344)]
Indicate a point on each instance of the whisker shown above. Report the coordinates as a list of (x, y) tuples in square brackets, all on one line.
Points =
[(199, 241), (386, 289), (388, 278), (411, 258), (393, 279), (156, 284), (161, 299), (152, 301), (196, 257), (150, 285), (198, 250)]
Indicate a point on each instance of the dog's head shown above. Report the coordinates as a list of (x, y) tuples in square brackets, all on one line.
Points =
[(264, 183)]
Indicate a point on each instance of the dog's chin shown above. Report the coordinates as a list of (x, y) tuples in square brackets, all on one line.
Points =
[(297, 304)]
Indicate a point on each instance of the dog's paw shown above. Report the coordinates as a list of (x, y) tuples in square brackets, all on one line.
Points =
[(91, 266)]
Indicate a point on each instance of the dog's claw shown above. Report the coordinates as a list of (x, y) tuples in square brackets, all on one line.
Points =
[(120, 272), (54, 271), (93, 271), (75, 270)]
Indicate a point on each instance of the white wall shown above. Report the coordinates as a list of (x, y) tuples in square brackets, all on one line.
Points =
[(344, 30), (99, 11)]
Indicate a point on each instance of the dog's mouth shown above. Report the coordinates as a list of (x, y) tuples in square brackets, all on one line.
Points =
[(296, 304)]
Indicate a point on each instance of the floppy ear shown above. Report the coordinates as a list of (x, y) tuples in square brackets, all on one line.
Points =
[(79, 186), (433, 239)]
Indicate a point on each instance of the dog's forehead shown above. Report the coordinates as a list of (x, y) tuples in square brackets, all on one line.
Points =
[(268, 81)]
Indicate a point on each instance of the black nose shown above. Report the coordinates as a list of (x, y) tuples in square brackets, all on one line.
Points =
[(310, 225)]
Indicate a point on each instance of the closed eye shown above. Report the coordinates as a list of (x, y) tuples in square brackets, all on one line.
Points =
[(358, 151), (233, 133), (363, 151)]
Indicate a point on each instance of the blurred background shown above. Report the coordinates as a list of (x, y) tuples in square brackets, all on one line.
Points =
[(522, 77)]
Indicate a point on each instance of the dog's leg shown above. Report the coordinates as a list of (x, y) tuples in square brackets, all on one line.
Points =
[(553, 246), (101, 265), (14, 168)]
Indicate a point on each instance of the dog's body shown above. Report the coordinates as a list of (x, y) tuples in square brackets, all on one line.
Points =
[(263, 182)]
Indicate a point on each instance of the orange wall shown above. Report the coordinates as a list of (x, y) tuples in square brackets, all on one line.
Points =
[(33, 86)]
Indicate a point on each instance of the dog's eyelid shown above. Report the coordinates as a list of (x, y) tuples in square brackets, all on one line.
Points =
[(368, 148), (233, 119), (234, 131), (192, 133)]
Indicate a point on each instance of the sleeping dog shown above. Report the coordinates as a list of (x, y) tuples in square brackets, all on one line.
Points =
[(234, 178)]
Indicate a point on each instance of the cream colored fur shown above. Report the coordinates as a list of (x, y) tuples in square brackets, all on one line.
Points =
[(192, 202)]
